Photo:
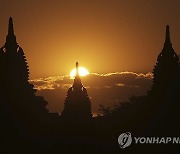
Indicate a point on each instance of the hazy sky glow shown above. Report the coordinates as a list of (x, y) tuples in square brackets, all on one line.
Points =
[(103, 35)]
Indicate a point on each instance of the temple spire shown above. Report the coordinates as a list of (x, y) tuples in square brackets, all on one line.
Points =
[(77, 69), (11, 38), (167, 63), (77, 81), (77, 105), (167, 34), (167, 39), (10, 28)]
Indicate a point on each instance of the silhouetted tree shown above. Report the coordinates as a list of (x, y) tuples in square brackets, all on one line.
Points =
[(104, 110)]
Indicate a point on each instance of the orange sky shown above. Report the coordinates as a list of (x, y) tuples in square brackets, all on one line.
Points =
[(103, 35)]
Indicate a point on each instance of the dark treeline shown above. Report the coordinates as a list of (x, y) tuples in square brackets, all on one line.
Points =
[(27, 126)]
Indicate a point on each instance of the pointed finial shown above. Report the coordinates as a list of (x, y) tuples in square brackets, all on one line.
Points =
[(167, 34), (167, 43), (10, 28), (11, 38), (77, 81), (77, 66)]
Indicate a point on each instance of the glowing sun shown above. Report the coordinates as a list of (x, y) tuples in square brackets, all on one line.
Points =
[(82, 72)]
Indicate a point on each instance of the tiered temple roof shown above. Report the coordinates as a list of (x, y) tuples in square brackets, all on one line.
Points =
[(16, 93), (167, 68), (77, 104)]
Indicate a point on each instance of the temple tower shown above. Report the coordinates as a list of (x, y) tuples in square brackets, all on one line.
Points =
[(167, 68), (77, 104), (16, 93)]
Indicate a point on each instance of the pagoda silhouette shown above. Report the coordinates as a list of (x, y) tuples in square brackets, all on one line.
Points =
[(164, 94), (17, 96), (77, 103), (167, 69)]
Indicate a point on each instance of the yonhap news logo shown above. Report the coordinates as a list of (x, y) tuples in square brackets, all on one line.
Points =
[(126, 139)]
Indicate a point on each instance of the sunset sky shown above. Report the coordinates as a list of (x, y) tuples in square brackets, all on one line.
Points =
[(105, 36)]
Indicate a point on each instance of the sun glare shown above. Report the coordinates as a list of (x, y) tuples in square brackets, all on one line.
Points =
[(82, 72)]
